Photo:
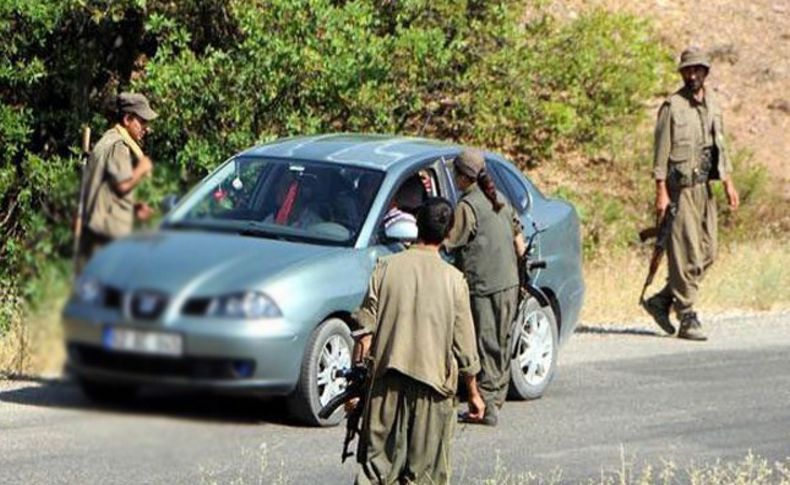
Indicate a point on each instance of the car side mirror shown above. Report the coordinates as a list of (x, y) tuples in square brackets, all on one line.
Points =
[(401, 231), (168, 202)]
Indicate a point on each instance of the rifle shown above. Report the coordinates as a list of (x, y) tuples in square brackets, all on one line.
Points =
[(356, 388), (661, 233), (86, 148)]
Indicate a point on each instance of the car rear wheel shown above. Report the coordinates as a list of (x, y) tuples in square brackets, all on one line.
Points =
[(533, 350), (107, 393), (328, 349)]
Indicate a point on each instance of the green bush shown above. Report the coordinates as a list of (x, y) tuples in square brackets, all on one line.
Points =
[(226, 74)]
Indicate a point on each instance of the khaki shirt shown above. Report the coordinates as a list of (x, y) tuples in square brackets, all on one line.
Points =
[(111, 162), (683, 129), (465, 224), (417, 306)]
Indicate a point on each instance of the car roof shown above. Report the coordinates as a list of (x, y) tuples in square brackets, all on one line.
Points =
[(368, 150)]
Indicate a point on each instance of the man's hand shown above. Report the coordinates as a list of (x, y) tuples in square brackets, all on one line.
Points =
[(732, 195), (662, 200), (143, 211), (477, 407), (351, 405)]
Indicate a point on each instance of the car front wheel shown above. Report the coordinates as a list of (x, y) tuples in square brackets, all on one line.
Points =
[(328, 349), (533, 350)]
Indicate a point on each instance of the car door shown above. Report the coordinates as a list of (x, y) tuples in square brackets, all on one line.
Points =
[(513, 185)]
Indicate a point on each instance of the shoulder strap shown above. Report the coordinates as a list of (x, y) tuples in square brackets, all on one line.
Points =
[(129, 141)]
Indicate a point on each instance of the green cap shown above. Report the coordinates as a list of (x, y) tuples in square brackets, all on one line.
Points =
[(136, 104), (470, 162), (694, 56)]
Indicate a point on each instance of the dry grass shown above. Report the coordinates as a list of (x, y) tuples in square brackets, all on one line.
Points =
[(34, 343), (751, 470), (751, 276)]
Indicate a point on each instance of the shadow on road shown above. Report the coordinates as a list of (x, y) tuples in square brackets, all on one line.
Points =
[(199, 406), (602, 330)]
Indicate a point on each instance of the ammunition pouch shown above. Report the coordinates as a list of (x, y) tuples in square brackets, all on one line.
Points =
[(687, 174)]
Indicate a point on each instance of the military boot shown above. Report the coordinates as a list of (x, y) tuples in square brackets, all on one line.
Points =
[(658, 308), (690, 328)]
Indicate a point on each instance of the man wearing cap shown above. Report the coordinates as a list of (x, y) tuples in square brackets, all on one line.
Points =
[(689, 152), (486, 240), (116, 166)]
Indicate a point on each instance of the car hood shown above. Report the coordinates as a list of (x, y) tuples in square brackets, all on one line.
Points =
[(198, 263)]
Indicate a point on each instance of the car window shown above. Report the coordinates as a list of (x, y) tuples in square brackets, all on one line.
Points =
[(306, 200)]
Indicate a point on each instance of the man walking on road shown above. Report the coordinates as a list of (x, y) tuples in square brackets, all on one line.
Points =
[(116, 166), (689, 152), (417, 335)]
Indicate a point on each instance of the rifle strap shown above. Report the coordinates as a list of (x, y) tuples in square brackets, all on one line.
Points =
[(129, 141)]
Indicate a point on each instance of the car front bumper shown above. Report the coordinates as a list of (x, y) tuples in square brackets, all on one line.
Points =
[(261, 357)]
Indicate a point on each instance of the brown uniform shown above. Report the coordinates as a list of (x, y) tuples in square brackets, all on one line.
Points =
[(488, 259), (417, 307), (108, 215), (689, 151)]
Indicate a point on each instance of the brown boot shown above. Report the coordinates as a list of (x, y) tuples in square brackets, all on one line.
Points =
[(690, 328), (658, 308)]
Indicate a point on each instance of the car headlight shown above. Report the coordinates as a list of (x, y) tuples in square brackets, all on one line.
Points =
[(249, 304), (87, 289)]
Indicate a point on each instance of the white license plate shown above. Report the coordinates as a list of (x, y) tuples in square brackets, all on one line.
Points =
[(144, 342)]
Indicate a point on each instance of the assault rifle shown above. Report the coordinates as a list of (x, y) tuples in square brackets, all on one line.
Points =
[(661, 233), (78, 224), (356, 388)]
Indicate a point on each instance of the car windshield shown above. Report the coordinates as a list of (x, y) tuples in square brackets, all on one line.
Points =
[(323, 203)]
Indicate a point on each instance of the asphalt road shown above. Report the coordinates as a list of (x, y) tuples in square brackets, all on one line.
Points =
[(622, 395)]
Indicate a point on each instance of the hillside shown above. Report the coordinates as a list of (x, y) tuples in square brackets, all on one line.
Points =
[(750, 44)]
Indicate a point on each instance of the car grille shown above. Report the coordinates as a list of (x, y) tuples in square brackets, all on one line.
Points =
[(190, 367), (147, 304)]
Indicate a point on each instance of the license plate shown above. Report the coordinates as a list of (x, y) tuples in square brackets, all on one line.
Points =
[(144, 342)]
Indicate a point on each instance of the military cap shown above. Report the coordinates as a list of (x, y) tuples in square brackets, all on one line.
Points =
[(136, 104), (470, 162), (694, 56)]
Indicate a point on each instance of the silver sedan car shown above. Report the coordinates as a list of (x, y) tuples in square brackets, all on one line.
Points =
[(250, 282)]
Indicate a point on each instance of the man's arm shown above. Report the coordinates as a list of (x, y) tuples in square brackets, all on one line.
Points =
[(662, 145), (361, 348), (465, 348), (366, 317), (518, 234), (733, 198), (464, 224), (122, 173), (143, 168)]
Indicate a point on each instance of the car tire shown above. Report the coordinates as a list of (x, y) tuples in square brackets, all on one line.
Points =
[(533, 347), (108, 393), (328, 349)]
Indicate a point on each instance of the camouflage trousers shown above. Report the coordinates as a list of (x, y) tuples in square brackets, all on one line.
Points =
[(493, 316), (691, 247), (406, 433)]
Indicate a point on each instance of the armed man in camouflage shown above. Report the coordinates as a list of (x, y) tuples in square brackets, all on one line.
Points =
[(416, 332), (689, 152)]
